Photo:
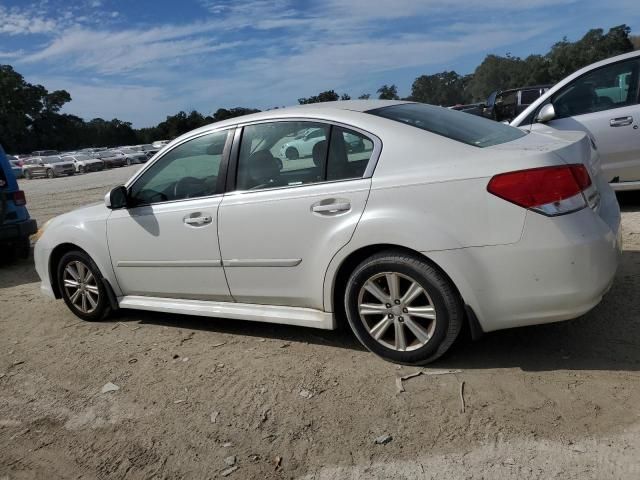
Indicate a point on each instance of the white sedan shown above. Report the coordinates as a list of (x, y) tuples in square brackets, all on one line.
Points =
[(441, 218)]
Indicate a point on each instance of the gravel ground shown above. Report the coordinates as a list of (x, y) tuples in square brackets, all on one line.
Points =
[(199, 397)]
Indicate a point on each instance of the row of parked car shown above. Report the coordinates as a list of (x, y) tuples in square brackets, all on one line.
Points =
[(51, 163)]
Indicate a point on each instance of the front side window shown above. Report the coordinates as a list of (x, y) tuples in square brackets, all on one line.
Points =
[(190, 170), (459, 126), (608, 87)]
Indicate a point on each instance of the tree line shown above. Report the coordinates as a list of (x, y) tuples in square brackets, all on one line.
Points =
[(30, 117)]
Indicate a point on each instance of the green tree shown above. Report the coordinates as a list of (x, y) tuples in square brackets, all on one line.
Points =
[(327, 96), (444, 88), (566, 57), (388, 92), (364, 96), (224, 114)]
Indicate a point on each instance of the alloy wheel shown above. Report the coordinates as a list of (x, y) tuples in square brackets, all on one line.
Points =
[(397, 311), (81, 286)]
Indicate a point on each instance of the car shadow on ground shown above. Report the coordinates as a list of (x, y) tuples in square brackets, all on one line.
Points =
[(629, 201), (607, 338), (15, 272)]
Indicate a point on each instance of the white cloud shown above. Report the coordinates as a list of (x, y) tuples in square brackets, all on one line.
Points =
[(11, 55), (15, 21), (269, 52)]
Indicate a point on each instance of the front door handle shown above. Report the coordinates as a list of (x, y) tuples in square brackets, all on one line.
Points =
[(197, 220), (620, 121), (331, 208)]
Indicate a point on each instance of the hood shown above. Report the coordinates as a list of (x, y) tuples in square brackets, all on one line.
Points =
[(91, 213)]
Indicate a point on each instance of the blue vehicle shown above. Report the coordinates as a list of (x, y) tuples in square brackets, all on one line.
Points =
[(15, 224)]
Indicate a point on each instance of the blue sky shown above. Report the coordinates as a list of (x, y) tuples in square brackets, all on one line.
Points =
[(142, 60)]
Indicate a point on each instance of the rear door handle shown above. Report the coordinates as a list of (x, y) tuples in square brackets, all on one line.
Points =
[(329, 208), (197, 220), (620, 121)]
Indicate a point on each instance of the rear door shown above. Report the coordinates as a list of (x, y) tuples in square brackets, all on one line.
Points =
[(604, 103), (280, 226)]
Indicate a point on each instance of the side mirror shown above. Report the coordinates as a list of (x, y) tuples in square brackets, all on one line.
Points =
[(116, 198), (546, 113)]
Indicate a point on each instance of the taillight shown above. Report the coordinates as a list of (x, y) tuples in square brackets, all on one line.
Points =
[(19, 199), (547, 190)]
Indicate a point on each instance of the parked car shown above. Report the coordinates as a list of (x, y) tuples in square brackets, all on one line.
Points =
[(505, 105), (15, 223), (112, 158), (602, 100), (16, 166), (302, 144), (149, 150), (444, 218), (84, 163), (160, 143), (50, 167), (44, 153), (133, 155)]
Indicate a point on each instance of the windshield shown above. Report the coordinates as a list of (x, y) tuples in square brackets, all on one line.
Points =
[(82, 157), (52, 159), (460, 126)]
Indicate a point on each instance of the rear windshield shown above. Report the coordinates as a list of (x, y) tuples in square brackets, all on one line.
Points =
[(460, 126)]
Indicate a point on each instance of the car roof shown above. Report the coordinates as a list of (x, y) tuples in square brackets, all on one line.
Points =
[(310, 109), (578, 73)]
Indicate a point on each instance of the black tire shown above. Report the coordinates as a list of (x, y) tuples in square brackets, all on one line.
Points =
[(128, 162), (81, 169), (50, 173), (438, 291), (102, 308), (292, 153), (27, 175)]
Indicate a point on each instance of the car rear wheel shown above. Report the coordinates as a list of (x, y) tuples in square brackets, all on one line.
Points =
[(402, 308), (292, 153), (82, 287), (81, 169), (27, 175), (50, 173)]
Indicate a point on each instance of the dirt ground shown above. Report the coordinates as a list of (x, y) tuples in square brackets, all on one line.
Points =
[(199, 397)]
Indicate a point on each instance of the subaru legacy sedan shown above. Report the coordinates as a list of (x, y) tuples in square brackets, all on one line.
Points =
[(440, 219)]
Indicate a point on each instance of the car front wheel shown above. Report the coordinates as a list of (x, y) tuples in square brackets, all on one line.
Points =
[(82, 287), (402, 308), (50, 173), (292, 153)]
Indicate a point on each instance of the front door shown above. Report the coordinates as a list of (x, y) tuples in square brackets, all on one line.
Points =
[(281, 226), (165, 244)]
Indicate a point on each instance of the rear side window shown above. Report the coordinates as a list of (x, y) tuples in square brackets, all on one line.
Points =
[(349, 154), (459, 126), (294, 153)]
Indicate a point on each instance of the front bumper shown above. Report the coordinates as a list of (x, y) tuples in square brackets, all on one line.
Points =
[(14, 231), (560, 269)]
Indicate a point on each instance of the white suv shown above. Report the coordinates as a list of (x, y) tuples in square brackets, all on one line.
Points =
[(603, 100)]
